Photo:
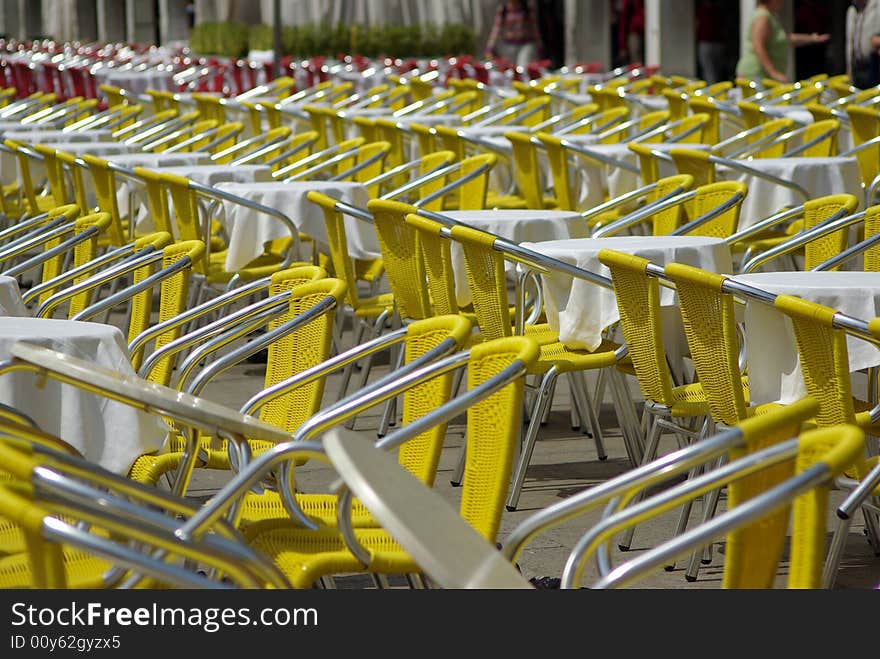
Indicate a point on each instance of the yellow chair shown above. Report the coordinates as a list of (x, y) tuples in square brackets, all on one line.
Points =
[(528, 174), (493, 424)]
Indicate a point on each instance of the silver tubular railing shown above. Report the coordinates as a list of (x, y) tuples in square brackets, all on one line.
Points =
[(734, 201), (126, 251), (229, 360), (838, 221), (323, 165), (268, 147), (785, 215), (58, 250), (442, 414), (641, 214), (316, 157), (222, 195), (363, 164), (124, 268), (182, 264), (209, 306), (761, 505), (741, 167), (272, 305), (849, 253), (600, 157)]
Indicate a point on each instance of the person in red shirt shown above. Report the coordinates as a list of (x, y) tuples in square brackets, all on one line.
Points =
[(515, 34), (631, 34)]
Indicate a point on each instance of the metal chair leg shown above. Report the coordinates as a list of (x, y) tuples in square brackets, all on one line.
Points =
[(699, 555), (528, 443), (650, 453), (579, 393)]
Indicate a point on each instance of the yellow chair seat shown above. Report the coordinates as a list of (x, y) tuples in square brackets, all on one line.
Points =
[(82, 569), (369, 271), (324, 552), (371, 307), (268, 506)]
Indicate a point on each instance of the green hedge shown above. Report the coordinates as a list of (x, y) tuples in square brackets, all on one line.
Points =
[(429, 40)]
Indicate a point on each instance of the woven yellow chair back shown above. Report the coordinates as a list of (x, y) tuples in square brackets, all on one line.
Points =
[(402, 256), (437, 261), (300, 349), (421, 455), (472, 194), (648, 168), (388, 131), (425, 137), (210, 107), (449, 140), (173, 292), (772, 150), (341, 261), (366, 127), (427, 164), (82, 253), (54, 174), (638, 301), (80, 197), (493, 432), (486, 281), (526, 169), (535, 111), (25, 176), (694, 162), (104, 180), (651, 120), (865, 126), (824, 360), (608, 119), (712, 196), (872, 228), (560, 172), (827, 146), (751, 114), (45, 558), (114, 95), (669, 219), (157, 198), (677, 104), (693, 128), (374, 153), (710, 327), (186, 209), (817, 211), (707, 106)]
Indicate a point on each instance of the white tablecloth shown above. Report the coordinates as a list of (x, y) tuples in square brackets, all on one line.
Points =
[(41, 136), (108, 433), (774, 367), (514, 225), (818, 176), (10, 298), (138, 81), (579, 311), (248, 229)]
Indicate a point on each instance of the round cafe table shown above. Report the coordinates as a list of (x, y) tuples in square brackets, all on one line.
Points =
[(514, 225), (774, 367), (580, 311), (249, 229), (108, 433), (10, 298)]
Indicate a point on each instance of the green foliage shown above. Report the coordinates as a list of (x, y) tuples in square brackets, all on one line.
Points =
[(232, 39)]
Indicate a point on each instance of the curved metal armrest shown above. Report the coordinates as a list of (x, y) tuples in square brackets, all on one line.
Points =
[(791, 153), (860, 493), (840, 220), (84, 270), (670, 200), (756, 508), (264, 149), (321, 166), (363, 164), (453, 185), (216, 194), (873, 142), (623, 199), (184, 263), (229, 360), (849, 253), (118, 270), (601, 157), (685, 229), (259, 312), (209, 306), (442, 414), (786, 215), (61, 248), (741, 167)]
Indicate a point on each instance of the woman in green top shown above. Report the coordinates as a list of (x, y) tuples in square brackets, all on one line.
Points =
[(765, 51)]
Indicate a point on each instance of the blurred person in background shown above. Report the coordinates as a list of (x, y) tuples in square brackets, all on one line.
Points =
[(812, 16), (711, 40), (862, 42), (631, 31), (765, 47), (515, 35)]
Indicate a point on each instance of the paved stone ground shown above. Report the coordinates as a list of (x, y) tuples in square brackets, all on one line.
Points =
[(564, 462)]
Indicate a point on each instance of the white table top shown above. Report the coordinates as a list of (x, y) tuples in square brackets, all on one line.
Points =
[(517, 226), (42, 136), (774, 368), (579, 310), (10, 298), (214, 174), (248, 229), (818, 176), (105, 432)]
